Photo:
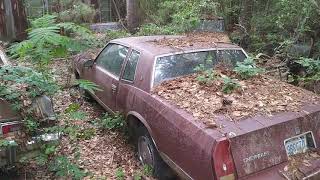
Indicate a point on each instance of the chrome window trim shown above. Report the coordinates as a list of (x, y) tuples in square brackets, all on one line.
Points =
[(135, 71), (183, 52)]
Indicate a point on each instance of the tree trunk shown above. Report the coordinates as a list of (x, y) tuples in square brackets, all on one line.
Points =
[(246, 14), (133, 19)]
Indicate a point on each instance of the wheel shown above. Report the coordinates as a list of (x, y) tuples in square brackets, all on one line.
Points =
[(148, 155)]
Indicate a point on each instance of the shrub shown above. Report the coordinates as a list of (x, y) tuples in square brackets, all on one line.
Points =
[(19, 85), (48, 39), (111, 122), (229, 85), (64, 168), (247, 69)]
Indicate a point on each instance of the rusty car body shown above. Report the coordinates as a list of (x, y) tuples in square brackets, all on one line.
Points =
[(248, 149), (11, 127)]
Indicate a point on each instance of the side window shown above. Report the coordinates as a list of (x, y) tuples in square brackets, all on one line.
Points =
[(130, 70), (112, 57)]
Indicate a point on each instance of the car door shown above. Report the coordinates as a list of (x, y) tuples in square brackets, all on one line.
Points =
[(106, 72), (127, 80)]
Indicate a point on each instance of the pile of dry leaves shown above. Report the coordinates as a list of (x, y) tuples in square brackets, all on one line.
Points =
[(194, 39), (260, 95)]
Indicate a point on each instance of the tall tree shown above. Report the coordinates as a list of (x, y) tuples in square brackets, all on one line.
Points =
[(133, 19)]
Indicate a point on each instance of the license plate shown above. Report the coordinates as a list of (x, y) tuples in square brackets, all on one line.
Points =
[(299, 144)]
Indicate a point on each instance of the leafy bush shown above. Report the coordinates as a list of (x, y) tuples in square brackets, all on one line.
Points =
[(247, 69), (229, 85), (64, 168), (207, 77), (111, 122), (48, 39), (120, 174), (19, 85), (312, 69), (117, 34)]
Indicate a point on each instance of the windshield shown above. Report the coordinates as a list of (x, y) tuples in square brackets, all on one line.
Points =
[(172, 66)]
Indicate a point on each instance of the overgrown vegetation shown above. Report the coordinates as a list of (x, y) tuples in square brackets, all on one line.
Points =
[(247, 68), (229, 85), (111, 122), (20, 85), (48, 39)]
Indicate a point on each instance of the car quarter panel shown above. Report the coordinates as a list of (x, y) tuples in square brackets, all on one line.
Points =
[(188, 144)]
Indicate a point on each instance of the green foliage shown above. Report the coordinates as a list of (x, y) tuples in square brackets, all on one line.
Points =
[(120, 175), (117, 34), (7, 143), (19, 85), (207, 77), (111, 122), (76, 11), (41, 159), (88, 85), (147, 170), (72, 108), (229, 85), (247, 69), (86, 133), (175, 17), (312, 69), (48, 39), (78, 115), (137, 176), (64, 168), (31, 125)]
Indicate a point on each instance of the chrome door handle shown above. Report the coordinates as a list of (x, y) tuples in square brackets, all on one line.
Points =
[(113, 88)]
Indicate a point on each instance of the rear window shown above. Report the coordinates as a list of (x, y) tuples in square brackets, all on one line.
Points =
[(173, 66)]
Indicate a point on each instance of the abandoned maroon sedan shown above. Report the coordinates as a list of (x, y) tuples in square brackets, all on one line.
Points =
[(167, 135)]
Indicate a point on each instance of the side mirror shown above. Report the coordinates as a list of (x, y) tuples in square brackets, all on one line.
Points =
[(88, 64)]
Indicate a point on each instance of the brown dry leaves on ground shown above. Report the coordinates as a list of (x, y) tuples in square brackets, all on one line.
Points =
[(104, 153), (194, 39), (259, 95)]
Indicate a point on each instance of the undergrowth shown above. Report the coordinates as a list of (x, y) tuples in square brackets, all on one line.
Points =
[(49, 39)]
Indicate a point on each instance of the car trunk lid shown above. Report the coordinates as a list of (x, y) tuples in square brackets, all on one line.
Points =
[(259, 143)]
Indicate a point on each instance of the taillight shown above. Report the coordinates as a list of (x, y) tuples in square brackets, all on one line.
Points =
[(10, 127), (223, 164)]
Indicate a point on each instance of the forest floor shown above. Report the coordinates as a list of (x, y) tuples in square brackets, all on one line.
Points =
[(103, 154)]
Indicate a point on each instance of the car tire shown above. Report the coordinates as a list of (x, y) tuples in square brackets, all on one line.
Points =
[(149, 155)]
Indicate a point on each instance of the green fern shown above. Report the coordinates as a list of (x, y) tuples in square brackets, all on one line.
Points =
[(48, 39), (88, 85)]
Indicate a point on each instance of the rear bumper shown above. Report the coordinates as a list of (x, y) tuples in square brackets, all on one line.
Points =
[(311, 172), (12, 153)]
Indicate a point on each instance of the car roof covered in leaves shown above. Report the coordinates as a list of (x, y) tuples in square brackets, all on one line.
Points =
[(165, 44)]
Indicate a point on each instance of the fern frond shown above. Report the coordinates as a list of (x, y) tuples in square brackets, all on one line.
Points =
[(44, 21), (88, 85)]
